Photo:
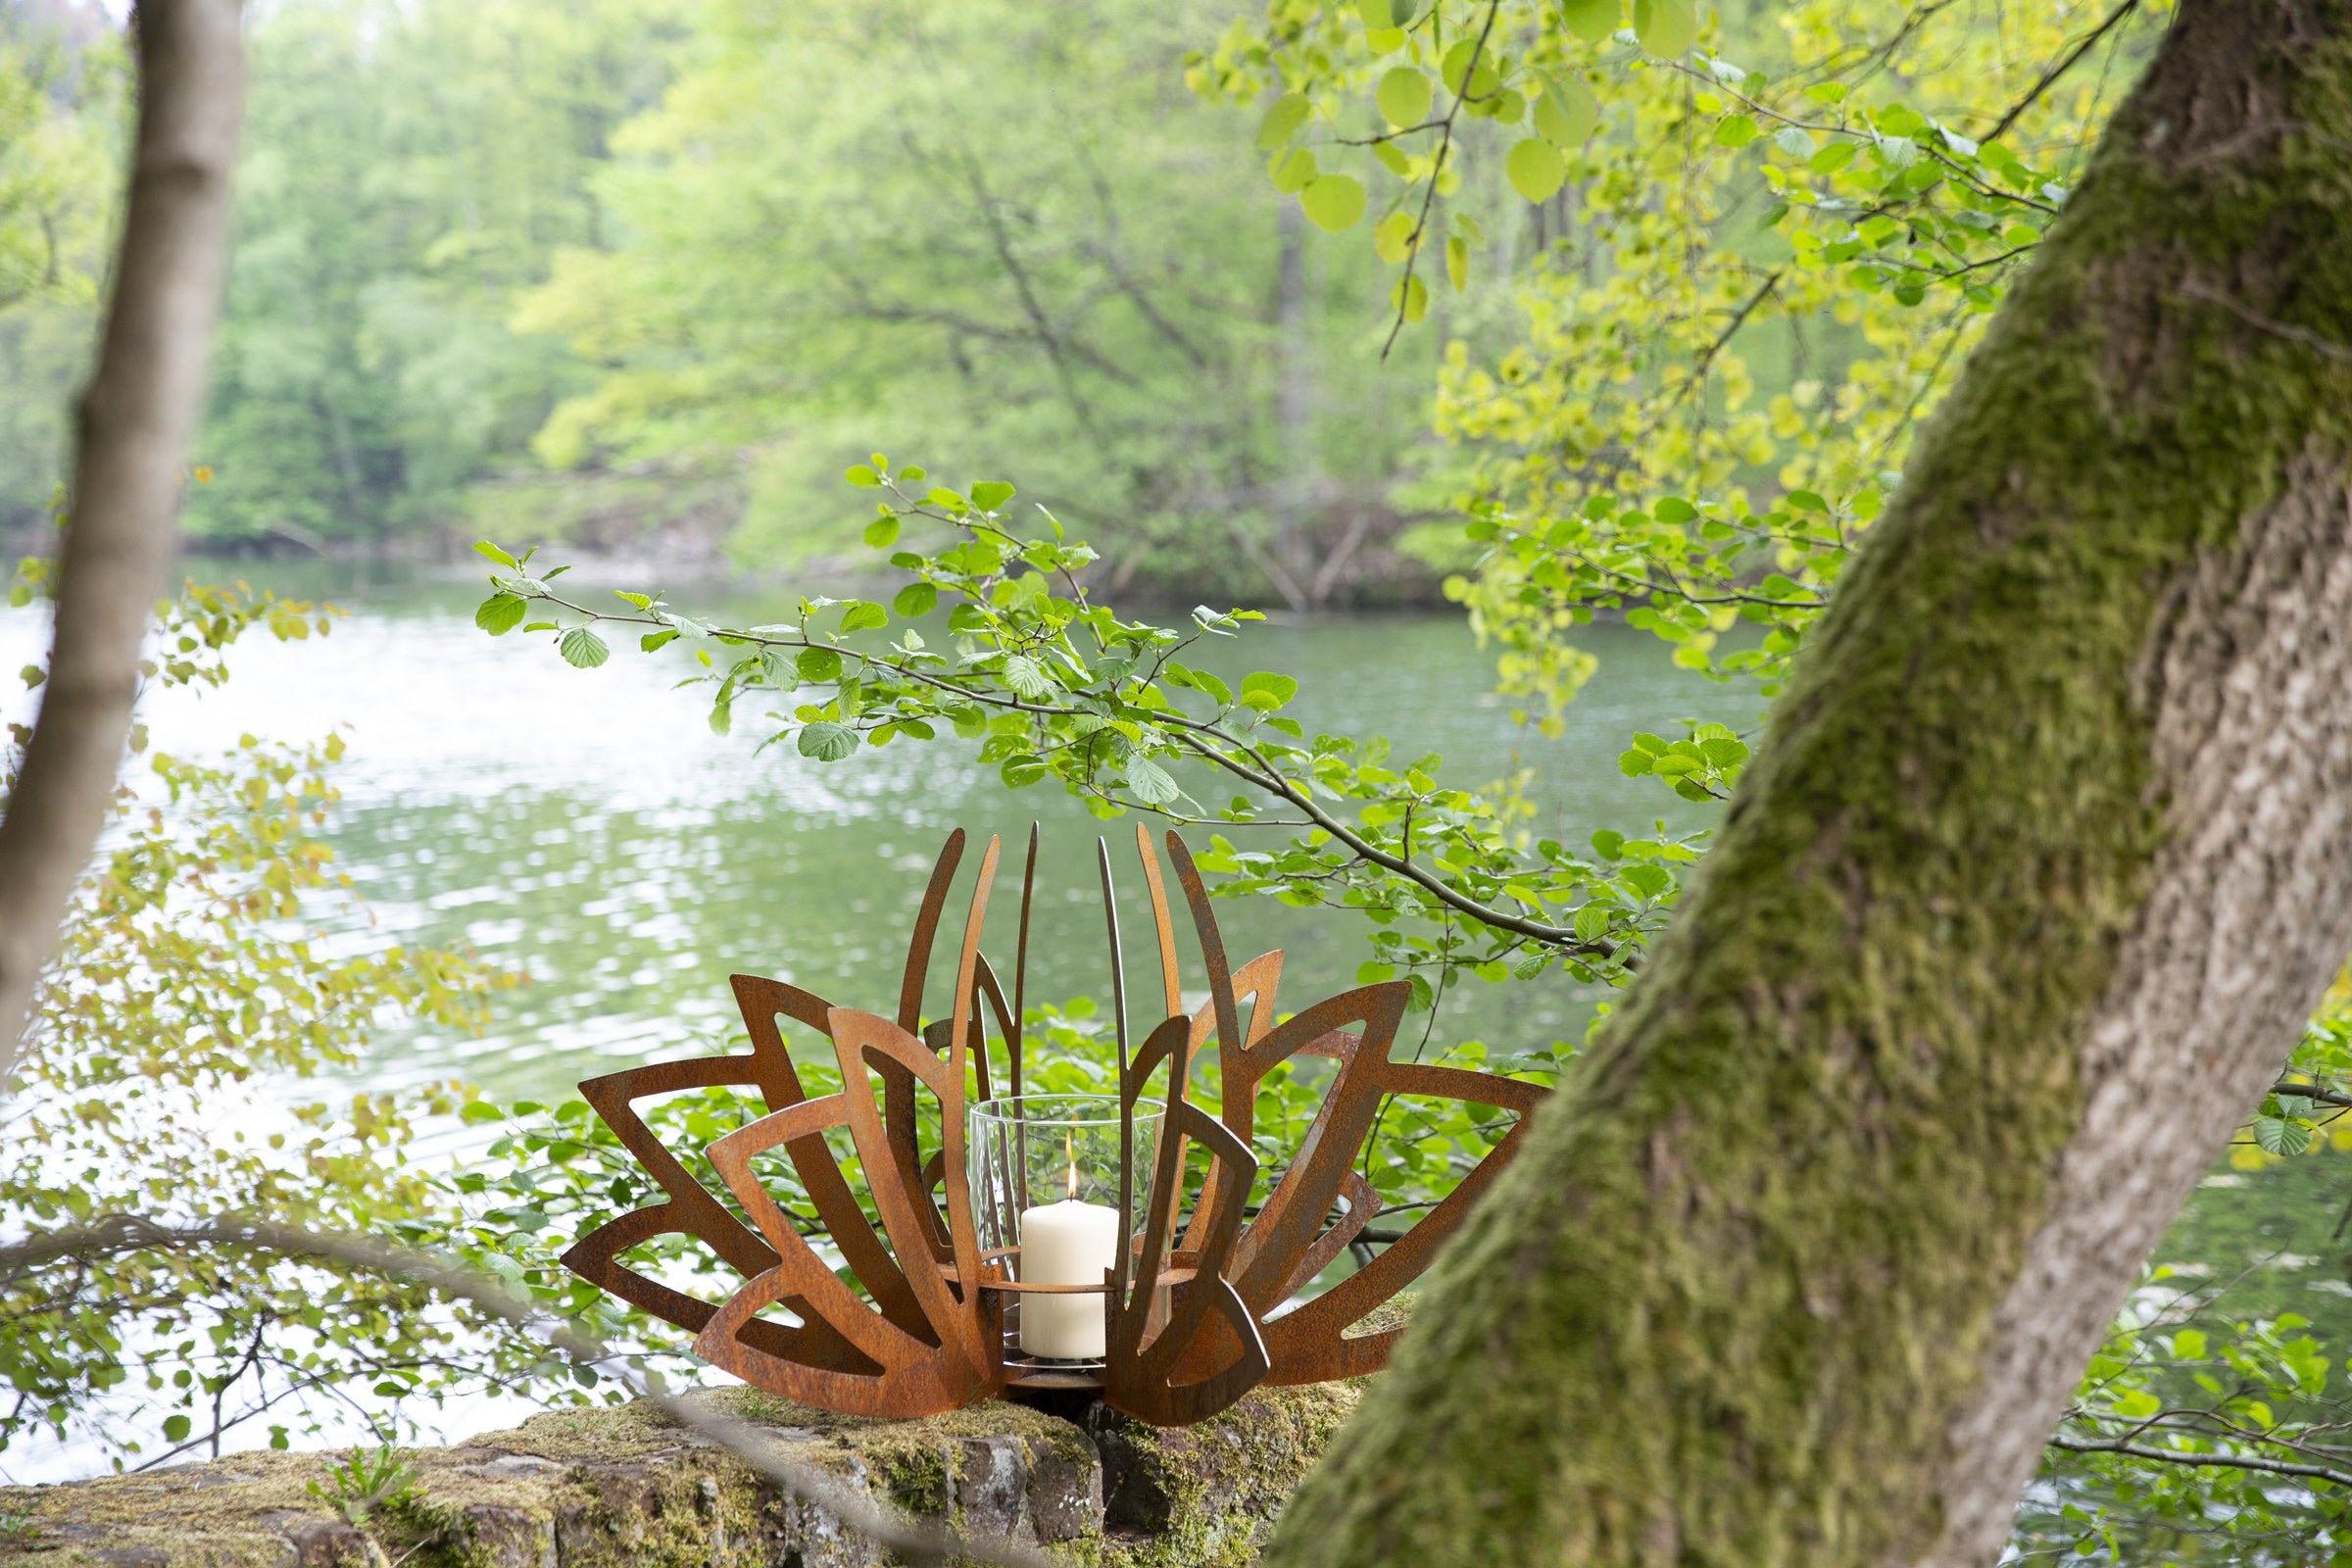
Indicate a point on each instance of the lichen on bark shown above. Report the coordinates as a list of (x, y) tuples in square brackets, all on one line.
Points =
[(1744, 1297)]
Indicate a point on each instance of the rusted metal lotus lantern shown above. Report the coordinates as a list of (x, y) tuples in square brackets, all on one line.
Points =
[(1173, 1299)]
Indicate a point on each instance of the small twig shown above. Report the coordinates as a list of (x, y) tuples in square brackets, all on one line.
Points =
[(2228, 1461), (1412, 259), (2049, 78)]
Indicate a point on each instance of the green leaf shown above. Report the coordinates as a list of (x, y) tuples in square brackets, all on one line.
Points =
[(863, 476), (990, 494), (1149, 781), (1457, 263), (882, 533), (915, 599), (1022, 674), (177, 1428), (1535, 168), (2188, 1345), (653, 641), (486, 548), (722, 718), (1404, 96), (1293, 172), (1594, 20), (1567, 114), (500, 614), (583, 649), (827, 741), (864, 617), (1333, 202), (1592, 922), (1282, 121), (1392, 240), (1647, 880), (1410, 299), (1736, 130), (1019, 773), (1267, 691), (1665, 27), (819, 663)]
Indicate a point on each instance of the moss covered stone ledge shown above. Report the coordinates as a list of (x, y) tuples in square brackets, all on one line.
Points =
[(623, 1489)]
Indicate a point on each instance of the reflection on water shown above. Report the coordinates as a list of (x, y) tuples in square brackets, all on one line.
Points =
[(586, 828)]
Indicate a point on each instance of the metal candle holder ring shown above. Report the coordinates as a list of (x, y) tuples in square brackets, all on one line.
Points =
[(1192, 1321)]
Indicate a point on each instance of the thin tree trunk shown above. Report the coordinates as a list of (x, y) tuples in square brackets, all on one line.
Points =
[(1294, 410), (136, 418), (2046, 859)]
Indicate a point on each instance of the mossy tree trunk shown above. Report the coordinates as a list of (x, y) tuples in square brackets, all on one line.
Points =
[(2045, 859)]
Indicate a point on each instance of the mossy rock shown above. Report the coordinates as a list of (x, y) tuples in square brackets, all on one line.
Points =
[(620, 1488)]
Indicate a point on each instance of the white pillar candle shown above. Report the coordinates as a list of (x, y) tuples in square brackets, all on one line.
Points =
[(1069, 1242)]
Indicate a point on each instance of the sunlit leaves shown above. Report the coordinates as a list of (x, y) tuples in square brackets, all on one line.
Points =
[(1284, 120), (1592, 21), (188, 967), (1293, 172), (1535, 168), (1411, 298), (1404, 96), (1666, 28), (500, 614), (1567, 112), (1333, 202)]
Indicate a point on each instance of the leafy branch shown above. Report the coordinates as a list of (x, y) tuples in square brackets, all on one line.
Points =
[(1048, 683)]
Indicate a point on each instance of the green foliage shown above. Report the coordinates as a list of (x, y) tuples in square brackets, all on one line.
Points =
[(60, 141), (188, 995), (366, 1482), (409, 170), (1044, 683), (1000, 234)]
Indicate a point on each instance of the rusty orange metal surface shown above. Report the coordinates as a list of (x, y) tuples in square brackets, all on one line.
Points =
[(1203, 1303)]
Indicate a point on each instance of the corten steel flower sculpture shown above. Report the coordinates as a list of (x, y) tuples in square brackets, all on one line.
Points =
[(1193, 1304)]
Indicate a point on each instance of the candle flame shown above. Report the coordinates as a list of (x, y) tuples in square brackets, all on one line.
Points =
[(1070, 1144)]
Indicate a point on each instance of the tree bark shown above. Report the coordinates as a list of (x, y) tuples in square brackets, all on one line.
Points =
[(2045, 858), (136, 418)]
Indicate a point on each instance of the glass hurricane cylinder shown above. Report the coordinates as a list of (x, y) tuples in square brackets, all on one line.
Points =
[(1048, 1201)]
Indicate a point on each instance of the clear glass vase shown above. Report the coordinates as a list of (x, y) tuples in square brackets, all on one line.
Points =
[(1049, 1204)]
